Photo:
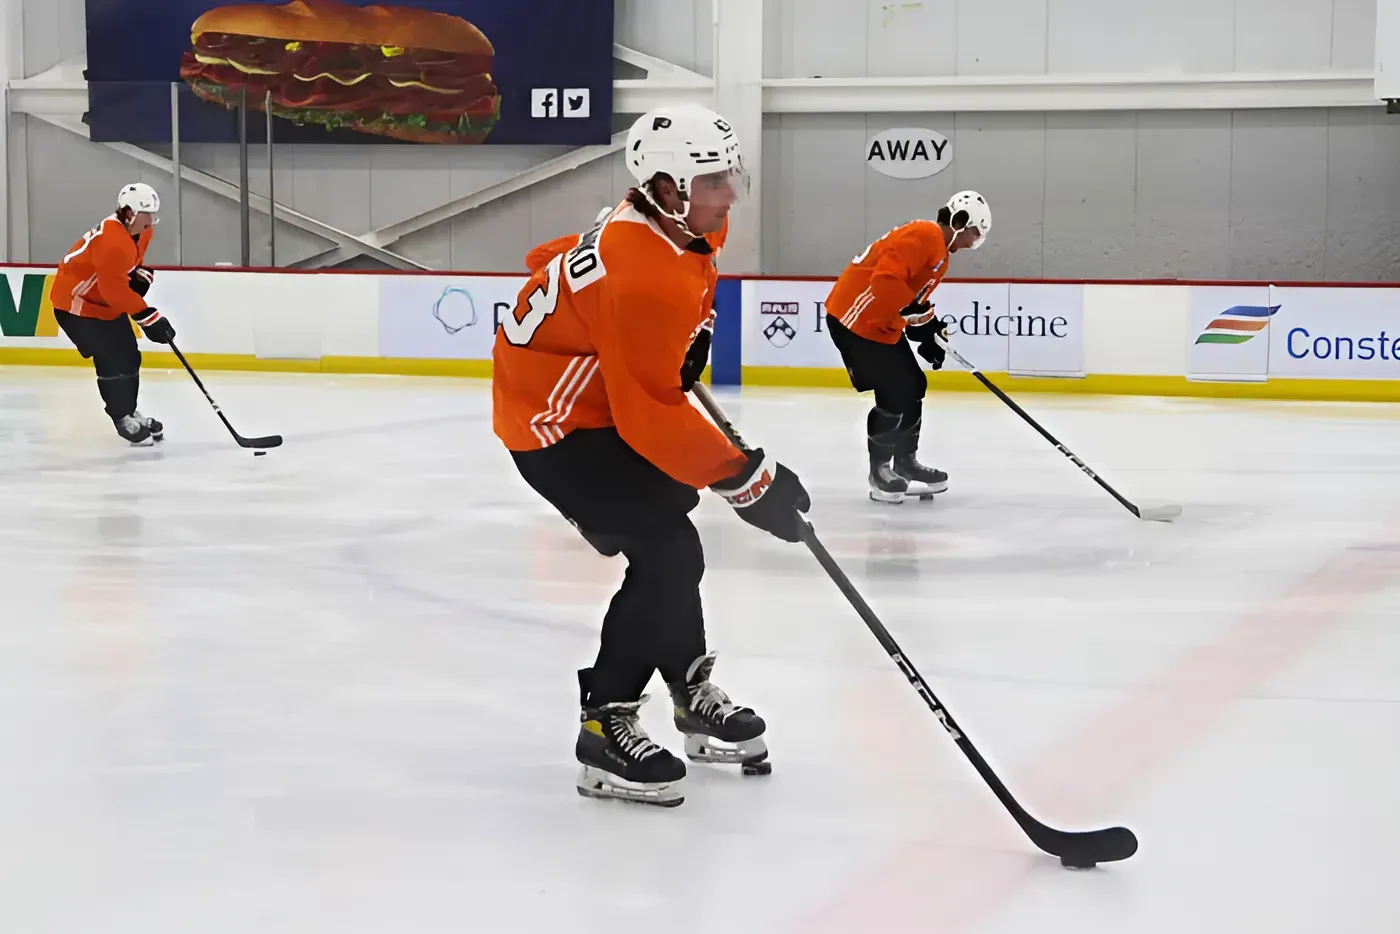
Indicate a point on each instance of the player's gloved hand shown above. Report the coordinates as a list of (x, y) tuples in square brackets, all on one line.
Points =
[(768, 496), (929, 340), (141, 279), (155, 326), (918, 312), (696, 359)]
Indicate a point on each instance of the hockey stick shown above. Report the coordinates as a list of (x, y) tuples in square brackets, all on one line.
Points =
[(269, 441), (1149, 513), (1076, 850)]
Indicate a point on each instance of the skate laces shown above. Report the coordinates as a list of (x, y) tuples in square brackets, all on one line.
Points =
[(709, 701), (627, 731)]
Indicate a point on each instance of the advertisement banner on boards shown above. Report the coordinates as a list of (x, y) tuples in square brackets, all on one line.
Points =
[(443, 317), (1040, 334), (1046, 325), (413, 71), (977, 326), (785, 324), (1229, 333), (1330, 333)]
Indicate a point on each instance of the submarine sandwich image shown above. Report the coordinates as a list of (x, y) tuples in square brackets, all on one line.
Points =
[(398, 72)]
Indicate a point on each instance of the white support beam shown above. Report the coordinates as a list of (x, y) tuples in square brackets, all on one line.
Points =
[(1036, 93), (657, 69), (385, 236), (230, 191), (738, 96), (61, 91)]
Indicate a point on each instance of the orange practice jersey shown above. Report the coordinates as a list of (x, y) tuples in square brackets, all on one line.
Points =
[(889, 275), (597, 338), (93, 281)]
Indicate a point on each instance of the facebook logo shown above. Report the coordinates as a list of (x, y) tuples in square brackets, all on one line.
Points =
[(546, 103)]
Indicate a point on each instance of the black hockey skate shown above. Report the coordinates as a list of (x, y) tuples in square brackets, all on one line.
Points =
[(132, 429), (922, 481), (619, 760), (716, 730), (886, 486), (156, 429)]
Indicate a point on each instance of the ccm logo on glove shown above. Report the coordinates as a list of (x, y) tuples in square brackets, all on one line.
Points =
[(756, 488)]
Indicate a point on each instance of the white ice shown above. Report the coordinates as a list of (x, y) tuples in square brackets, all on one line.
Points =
[(332, 689)]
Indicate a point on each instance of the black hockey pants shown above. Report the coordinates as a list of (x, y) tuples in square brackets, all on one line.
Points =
[(624, 504), (111, 346), (898, 381)]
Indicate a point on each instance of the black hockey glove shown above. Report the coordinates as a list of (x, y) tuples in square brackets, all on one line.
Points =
[(155, 326), (141, 279), (696, 359), (917, 312), (926, 338), (768, 496)]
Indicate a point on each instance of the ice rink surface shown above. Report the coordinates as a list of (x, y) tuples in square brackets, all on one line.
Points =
[(332, 689)]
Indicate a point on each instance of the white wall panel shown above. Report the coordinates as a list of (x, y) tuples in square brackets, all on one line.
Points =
[(677, 31), (1002, 155), (1278, 195), (1182, 211), (854, 38), (1363, 198), (1110, 36), (909, 38), (53, 31), (1005, 38), (1090, 174), (1353, 34), (1283, 35), (822, 38)]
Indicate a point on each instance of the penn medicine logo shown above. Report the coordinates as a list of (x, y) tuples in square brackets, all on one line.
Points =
[(1238, 324), (779, 332), (908, 152)]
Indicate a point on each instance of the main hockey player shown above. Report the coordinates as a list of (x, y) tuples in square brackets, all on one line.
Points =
[(99, 285), (881, 299), (591, 374)]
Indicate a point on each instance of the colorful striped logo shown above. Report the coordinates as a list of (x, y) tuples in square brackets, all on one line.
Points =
[(1238, 324)]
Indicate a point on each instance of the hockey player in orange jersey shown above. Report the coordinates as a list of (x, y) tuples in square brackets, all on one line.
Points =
[(591, 373), (882, 298), (99, 285)]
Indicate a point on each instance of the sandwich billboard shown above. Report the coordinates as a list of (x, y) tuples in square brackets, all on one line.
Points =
[(460, 72)]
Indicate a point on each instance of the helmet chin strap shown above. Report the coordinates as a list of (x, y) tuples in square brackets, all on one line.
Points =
[(680, 219)]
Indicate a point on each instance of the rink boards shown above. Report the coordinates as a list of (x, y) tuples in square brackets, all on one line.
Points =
[(1323, 341)]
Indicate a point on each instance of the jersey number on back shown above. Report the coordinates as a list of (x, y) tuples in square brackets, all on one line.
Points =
[(539, 305)]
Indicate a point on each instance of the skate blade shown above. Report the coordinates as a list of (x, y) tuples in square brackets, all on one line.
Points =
[(920, 490), (595, 783), (886, 499), (749, 752)]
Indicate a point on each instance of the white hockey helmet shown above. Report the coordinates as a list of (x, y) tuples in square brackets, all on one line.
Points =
[(969, 209), (140, 198), (684, 141)]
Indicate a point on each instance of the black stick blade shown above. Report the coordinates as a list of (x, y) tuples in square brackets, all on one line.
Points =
[(270, 441), (1089, 848)]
